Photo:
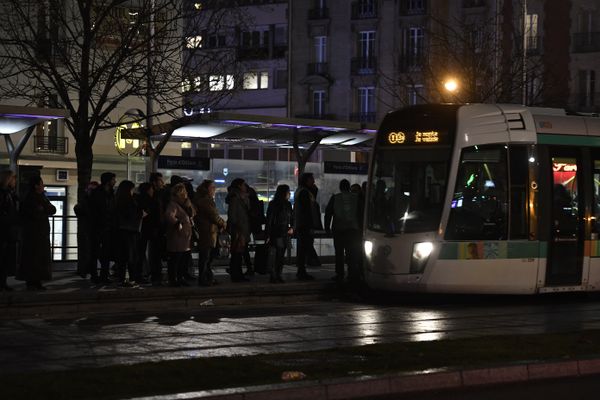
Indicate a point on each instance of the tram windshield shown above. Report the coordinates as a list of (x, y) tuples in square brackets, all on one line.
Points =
[(407, 190)]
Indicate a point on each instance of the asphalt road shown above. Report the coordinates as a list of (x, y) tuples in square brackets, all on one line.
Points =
[(35, 344)]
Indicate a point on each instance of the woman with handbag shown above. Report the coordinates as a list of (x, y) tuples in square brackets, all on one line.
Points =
[(178, 221), (279, 229), (238, 222), (208, 225)]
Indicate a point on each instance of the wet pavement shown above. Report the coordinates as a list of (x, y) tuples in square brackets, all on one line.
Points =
[(58, 344)]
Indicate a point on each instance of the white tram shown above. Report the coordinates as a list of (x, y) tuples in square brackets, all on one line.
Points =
[(484, 198)]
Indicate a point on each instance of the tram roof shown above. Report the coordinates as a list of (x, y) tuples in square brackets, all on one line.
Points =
[(260, 130), (14, 119)]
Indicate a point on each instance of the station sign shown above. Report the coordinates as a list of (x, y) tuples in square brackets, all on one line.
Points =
[(191, 163), (335, 167)]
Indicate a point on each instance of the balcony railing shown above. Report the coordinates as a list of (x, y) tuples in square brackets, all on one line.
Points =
[(412, 7), (318, 13), (316, 116), (317, 68), (411, 63), (586, 42), (473, 3), (364, 65), (533, 45), (587, 102), (252, 53), (50, 144), (364, 9), (367, 117)]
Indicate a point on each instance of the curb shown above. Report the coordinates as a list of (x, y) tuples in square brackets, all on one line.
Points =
[(20, 305), (396, 384)]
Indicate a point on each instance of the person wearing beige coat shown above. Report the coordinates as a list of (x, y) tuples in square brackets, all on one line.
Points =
[(178, 221), (208, 224)]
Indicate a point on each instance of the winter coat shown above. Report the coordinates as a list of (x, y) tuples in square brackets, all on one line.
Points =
[(207, 220), (238, 220), (102, 208), (307, 216), (35, 259), (151, 224), (279, 221), (344, 208), (178, 240), (9, 215), (129, 217)]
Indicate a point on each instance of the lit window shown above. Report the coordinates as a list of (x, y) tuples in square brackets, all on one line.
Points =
[(216, 83), (193, 42), (198, 6), (229, 82), (186, 85), (198, 83), (256, 80)]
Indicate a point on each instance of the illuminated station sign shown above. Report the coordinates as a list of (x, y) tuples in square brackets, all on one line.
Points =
[(416, 137)]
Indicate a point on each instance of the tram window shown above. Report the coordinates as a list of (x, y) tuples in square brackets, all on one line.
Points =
[(479, 205), (519, 178)]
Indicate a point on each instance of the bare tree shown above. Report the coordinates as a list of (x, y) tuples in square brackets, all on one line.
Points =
[(488, 55), (92, 55)]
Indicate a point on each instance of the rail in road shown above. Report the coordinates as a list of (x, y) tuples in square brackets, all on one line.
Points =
[(56, 344)]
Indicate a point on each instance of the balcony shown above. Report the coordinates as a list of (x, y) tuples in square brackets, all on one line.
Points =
[(411, 63), (412, 7), (318, 13), (50, 144), (316, 116), (587, 42), (252, 53), (587, 102), (317, 69), (363, 65), (364, 10), (473, 3), (364, 117), (533, 45)]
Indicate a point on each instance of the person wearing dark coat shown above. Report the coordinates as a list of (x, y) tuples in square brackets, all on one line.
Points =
[(238, 223), (9, 223), (102, 203), (342, 216), (256, 216), (84, 232), (35, 260), (306, 220), (279, 229), (129, 218), (151, 227), (208, 224)]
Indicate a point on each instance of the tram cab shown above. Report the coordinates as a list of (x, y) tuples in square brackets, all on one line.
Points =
[(484, 198)]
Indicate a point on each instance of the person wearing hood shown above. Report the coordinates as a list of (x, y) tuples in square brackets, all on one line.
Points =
[(238, 223)]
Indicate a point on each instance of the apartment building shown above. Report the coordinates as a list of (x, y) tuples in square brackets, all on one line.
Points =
[(357, 60)]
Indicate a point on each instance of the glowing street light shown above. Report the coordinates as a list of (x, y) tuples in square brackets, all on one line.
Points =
[(451, 85)]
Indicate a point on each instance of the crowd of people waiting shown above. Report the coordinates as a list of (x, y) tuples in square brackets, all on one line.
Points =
[(137, 228)]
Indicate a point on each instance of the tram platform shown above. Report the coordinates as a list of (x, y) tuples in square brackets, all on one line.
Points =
[(69, 294)]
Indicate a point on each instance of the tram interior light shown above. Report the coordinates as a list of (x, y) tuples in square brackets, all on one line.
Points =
[(368, 248), (420, 255)]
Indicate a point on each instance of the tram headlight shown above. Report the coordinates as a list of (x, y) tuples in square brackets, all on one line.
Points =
[(420, 255), (368, 248)]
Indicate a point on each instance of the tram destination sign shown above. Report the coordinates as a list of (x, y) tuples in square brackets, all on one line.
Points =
[(192, 163), (335, 167), (413, 138)]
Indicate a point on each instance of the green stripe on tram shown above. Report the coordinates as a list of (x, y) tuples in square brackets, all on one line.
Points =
[(572, 140), (492, 250)]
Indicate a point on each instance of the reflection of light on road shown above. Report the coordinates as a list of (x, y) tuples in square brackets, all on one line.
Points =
[(367, 326), (426, 325)]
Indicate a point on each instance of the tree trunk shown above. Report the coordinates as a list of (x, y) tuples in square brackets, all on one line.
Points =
[(85, 157)]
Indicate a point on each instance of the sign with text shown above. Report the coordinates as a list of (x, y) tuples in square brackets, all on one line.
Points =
[(194, 163), (335, 167)]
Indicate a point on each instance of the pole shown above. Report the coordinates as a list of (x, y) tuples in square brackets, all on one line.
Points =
[(524, 72)]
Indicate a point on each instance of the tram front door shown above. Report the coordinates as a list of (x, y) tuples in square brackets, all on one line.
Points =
[(565, 247)]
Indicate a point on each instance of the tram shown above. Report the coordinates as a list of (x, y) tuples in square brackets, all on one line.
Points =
[(484, 198)]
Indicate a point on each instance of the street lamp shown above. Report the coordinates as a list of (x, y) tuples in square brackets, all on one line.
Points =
[(451, 85)]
